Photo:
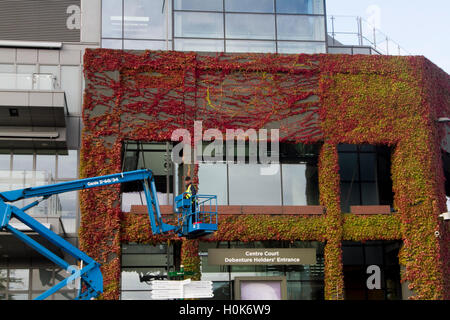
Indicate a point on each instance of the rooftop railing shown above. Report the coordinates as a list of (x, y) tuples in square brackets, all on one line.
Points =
[(356, 31)]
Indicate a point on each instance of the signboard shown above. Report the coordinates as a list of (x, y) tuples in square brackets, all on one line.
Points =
[(184, 289), (40, 20), (268, 256)]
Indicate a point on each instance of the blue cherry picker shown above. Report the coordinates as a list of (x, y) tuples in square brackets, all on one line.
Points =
[(190, 224)]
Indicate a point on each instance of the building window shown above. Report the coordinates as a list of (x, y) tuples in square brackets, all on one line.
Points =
[(153, 156), (26, 280), (293, 180), (124, 22), (357, 257), (304, 282), (365, 173), (27, 168), (143, 263)]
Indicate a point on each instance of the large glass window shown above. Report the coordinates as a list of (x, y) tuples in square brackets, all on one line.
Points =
[(112, 19), (246, 22), (202, 5), (198, 25), (357, 257), (292, 181), (124, 21), (291, 27), (250, 26), (249, 6), (365, 175), (29, 278), (249, 187), (68, 165), (144, 19), (300, 6)]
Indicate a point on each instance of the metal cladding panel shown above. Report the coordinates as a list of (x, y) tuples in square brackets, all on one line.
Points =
[(40, 20)]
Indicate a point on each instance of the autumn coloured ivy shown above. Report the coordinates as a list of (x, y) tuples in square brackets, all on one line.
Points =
[(329, 99)]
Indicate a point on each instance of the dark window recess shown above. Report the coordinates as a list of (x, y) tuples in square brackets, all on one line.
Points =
[(365, 172), (446, 167), (357, 257), (153, 156)]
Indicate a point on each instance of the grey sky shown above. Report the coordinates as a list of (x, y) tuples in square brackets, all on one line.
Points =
[(420, 27)]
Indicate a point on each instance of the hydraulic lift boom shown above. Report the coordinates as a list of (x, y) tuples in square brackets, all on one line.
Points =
[(190, 224)]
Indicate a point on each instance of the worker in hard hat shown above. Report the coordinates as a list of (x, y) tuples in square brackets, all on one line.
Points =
[(190, 192)]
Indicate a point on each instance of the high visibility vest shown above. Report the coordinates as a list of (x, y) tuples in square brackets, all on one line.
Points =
[(190, 191)]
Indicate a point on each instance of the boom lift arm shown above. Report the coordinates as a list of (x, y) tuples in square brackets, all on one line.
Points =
[(90, 274)]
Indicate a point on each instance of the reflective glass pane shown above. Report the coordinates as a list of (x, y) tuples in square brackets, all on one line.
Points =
[(111, 44), (112, 18), (305, 290), (3, 278), (301, 47), (292, 27), (198, 24), (46, 163), (349, 195), (348, 167), (209, 5), (249, 5), (42, 279), (5, 160), (213, 180), (147, 45), (23, 162), (368, 165), (369, 193), (19, 279), (247, 186), (250, 46), (300, 185), (18, 296), (250, 26), (199, 45), (145, 19), (300, 6), (7, 68), (69, 209), (67, 165)]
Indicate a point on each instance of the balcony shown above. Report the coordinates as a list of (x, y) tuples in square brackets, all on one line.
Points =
[(34, 81), (32, 112)]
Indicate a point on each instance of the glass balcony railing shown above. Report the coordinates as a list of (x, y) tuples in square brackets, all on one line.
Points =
[(24, 81), (13, 180)]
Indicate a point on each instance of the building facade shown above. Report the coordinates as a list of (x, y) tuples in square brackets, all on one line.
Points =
[(353, 218), (359, 180)]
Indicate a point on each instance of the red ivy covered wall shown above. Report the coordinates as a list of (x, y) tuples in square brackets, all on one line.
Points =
[(311, 98)]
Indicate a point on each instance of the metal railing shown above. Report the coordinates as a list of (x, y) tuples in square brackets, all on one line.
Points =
[(28, 81), (356, 31)]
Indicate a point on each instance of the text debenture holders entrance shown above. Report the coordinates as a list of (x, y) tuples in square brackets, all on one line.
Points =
[(262, 256), (259, 256)]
